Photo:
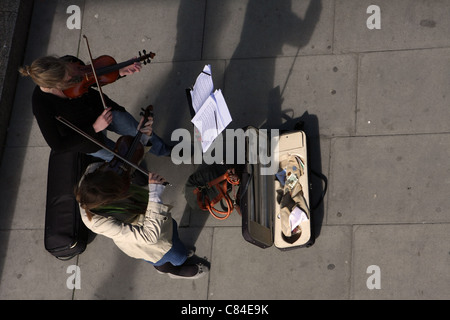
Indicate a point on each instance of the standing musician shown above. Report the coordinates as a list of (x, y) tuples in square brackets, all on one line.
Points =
[(52, 76), (136, 220)]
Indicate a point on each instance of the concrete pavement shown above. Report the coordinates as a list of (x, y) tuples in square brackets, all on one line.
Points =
[(375, 102)]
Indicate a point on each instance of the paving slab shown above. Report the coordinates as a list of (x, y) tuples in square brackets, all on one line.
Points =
[(412, 259), (241, 270), (109, 274), (28, 271), (23, 129), (405, 24), (24, 185), (275, 89), (49, 34), (404, 92), (389, 179), (255, 29), (172, 29)]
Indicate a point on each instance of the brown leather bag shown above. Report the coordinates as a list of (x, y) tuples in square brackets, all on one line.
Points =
[(221, 184)]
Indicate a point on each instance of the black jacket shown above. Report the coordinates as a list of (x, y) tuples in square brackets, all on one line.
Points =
[(82, 112)]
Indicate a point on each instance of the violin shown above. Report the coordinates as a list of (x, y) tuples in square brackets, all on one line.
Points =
[(106, 69), (130, 148)]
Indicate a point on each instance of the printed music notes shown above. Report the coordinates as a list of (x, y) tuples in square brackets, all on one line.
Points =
[(211, 111)]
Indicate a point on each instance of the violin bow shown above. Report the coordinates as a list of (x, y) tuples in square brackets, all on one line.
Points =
[(84, 134), (94, 72)]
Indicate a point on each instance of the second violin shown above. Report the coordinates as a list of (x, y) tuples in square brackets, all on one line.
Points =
[(129, 148)]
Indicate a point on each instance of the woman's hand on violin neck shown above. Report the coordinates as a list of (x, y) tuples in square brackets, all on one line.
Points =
[(128, 70), (103, 121), (148, 126)]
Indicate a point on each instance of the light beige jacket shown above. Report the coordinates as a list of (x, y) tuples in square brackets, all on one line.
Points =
[(149, 238)]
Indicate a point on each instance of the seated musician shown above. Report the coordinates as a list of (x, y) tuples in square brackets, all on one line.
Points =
[(52, 76)]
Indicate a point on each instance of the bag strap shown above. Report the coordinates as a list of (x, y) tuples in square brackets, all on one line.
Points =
[(322, 177)]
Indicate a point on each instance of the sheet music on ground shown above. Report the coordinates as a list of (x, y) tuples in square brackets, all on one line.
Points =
[(211, 111)]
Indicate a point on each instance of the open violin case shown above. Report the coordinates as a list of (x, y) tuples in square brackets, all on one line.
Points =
[(264, 222)]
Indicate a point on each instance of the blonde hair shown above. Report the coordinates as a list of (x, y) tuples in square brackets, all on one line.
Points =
[(48, 72)]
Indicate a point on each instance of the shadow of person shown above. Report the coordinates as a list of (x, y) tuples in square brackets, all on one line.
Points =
[(249, 78), (269, 25), (250, 74)]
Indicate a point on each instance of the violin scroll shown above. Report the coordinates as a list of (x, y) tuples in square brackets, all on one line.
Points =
[(146, 57), (147, 112)]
